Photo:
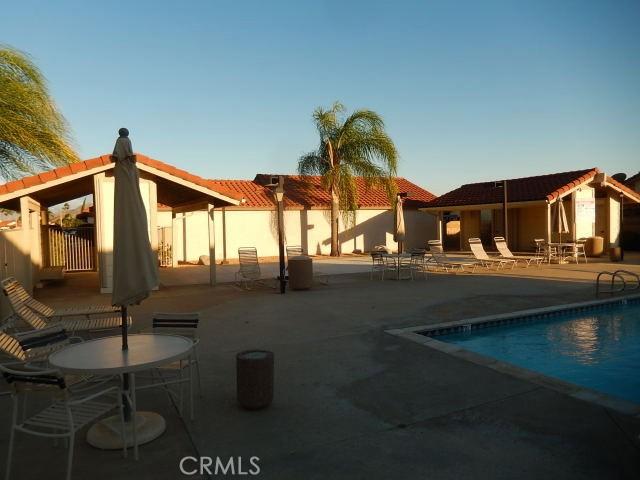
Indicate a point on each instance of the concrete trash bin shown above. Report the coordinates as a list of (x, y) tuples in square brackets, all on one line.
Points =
[(594, 246), (300, 272), (254, 377)]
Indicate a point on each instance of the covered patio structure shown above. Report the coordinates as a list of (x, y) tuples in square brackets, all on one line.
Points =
[(592, 200), (26, 250)]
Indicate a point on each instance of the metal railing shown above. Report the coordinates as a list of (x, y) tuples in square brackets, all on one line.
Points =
[(618, 274)]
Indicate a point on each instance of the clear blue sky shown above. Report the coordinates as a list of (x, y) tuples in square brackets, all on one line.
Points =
[(470, 91)]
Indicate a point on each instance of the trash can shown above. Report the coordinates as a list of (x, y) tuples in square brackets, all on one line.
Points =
[(594, 246), (254, 378), (300, 272)]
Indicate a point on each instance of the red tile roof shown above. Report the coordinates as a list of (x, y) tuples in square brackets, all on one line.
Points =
[(307, 192), (543, 187), (300, 191), (527, 189), (67, 170)]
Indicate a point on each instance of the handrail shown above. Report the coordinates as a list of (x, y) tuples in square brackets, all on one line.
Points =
[(613, 275), (631, 274), (617, 274)]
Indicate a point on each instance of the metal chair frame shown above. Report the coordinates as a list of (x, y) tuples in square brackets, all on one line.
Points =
[(64, 417)]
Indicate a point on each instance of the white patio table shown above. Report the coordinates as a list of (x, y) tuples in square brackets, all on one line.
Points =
[(104, 356)]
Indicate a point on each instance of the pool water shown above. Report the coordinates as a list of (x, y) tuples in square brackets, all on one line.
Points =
[(597, 349)]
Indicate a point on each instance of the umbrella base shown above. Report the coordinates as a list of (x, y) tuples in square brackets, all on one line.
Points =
[(106, 434)]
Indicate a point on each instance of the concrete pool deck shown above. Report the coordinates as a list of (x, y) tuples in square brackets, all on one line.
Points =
[(352, 401)]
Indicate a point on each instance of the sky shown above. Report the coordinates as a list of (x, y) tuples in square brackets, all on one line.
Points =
[(469, 91)]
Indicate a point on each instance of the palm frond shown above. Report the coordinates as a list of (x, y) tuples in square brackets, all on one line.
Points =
[(33, 133)]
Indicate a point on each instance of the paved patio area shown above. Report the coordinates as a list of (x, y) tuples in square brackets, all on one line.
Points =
[(352, 401)]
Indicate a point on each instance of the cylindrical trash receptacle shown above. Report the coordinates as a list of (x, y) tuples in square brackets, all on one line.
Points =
[(615, 254), (254, 377), (594, 246), (300, 272)]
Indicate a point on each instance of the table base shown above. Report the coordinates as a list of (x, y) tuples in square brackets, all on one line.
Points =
[(106, 434)]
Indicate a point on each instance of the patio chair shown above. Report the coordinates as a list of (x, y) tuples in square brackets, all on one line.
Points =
[(479, 253), (441, 260), (419, 261), (294, 251), (377, 264), (64, 416), (33, 346), (577, 250), (186, 325), (503, 250), (79, 322), (249, 271), (17, 293)]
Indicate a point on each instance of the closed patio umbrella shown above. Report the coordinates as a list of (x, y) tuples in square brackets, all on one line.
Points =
[(560, 223), (399, 230), (135, 268)]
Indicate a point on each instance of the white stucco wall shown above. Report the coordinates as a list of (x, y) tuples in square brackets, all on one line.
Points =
[(309, 228)]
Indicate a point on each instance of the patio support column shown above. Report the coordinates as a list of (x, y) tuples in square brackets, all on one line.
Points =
[(175, 223), (102, 208), (440, 226), (548, 222), (212, 244)]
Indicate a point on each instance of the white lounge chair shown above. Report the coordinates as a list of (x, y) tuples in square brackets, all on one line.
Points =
[(478, 251), (79, 319), (503, 250), (17, 293), (441, 260), (249, 271)]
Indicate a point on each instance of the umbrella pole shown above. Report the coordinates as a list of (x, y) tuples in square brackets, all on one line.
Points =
[(125, 344), (125, 377)]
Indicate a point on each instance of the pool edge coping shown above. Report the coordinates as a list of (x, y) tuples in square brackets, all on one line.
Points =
[(571, 389)]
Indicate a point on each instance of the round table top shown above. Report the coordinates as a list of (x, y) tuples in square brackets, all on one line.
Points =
[(105, 355)]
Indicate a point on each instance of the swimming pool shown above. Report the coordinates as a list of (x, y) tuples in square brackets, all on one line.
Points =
[(598, 349)]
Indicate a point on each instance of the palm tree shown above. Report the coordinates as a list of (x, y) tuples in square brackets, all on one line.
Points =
[(357, 146), (33, 133)]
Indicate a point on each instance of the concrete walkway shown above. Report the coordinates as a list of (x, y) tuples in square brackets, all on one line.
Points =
[(352, 401)]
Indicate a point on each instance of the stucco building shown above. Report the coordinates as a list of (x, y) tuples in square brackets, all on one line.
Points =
[(189, 216), (592, 201)]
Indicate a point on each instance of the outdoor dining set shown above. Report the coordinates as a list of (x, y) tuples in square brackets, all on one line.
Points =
[(417, 262), (72, 357)]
